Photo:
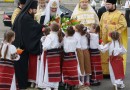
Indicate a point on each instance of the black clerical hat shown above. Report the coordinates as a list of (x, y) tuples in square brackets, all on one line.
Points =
[(22, 1), (34, 4), (111, 1)]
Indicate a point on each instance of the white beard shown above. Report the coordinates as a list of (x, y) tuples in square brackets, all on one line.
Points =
[(53, 13)]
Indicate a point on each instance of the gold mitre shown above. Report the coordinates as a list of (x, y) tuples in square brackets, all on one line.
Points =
[(54, 4), (83, 0)]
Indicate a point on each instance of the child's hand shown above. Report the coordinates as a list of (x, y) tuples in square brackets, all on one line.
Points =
[(120, 54), (44, 49), (43, 29), (103, 43), (74, 28)]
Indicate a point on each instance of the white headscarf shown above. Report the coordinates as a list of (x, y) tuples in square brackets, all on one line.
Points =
[(47, 11)]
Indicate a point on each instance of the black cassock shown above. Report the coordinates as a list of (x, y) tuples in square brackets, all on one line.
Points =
[(101, 11), (28, 34)]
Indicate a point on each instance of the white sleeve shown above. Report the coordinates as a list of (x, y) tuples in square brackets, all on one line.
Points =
[(47, 43), (123, 50), (14, 51), (43, 38), (79, 41), (18, 57), (103, 48)]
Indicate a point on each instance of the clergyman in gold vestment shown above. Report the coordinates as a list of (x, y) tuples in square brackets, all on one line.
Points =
[(112, 20)]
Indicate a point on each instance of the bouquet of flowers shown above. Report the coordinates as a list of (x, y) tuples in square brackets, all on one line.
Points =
[(66, 22), (56, 19)]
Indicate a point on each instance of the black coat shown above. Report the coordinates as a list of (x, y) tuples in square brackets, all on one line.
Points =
[(29, 36), (28, 32), (31, 33), (101, 11)]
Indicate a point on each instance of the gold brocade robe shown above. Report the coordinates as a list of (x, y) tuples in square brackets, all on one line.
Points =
[(86, 17), (114, 21), (14, 15), (40, 12)]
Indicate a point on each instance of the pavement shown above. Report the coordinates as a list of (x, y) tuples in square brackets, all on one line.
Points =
[(105, 84)]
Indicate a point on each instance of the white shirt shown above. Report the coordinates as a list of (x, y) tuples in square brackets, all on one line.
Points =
[(51, 41), (11, 50), (77, 36), (69, 44), (116, 49), (43, 39), (94, 41), (127, 4), (84, 42)]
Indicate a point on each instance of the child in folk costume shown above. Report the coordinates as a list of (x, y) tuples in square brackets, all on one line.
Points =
[(116, 69), (40, 72), (34, 63), (35, 75), (83, 54), (70, 62), (52, 74), (34, 72), (8, 54), (95, 57)]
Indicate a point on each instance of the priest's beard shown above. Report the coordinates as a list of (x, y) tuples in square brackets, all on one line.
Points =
[(53, 13), (112, 10), (32, 15)]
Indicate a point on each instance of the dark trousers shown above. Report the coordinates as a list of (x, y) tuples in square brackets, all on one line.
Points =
[(21, 70), (127, 16)]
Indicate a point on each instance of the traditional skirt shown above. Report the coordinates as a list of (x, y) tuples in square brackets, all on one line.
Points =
[(53, 59), (95, 58), (70, 69), (6, 74), (117, 66), (32, 68)]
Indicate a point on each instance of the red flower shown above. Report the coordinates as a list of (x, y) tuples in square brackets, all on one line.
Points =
[(100, 41)]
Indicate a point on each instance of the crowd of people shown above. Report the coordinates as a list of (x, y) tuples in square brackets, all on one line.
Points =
[(73, 59)]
